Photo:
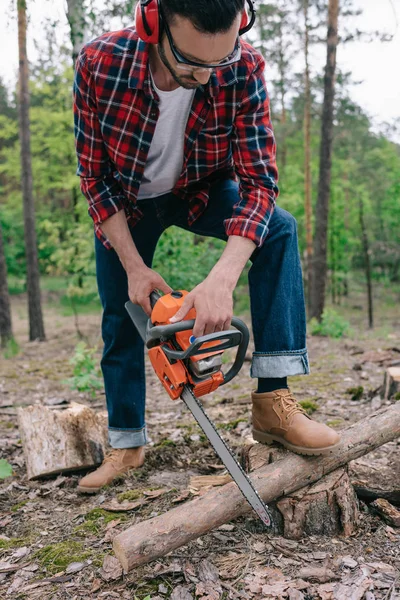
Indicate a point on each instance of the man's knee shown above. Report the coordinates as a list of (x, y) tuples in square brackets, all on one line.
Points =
[(283, 223)]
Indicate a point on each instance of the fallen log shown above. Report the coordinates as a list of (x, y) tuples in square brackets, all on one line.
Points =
[(327, 507), (155, 537), (58, 441)]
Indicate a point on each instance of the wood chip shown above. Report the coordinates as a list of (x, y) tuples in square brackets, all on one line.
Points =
[(181, 592), (111, 568), (387, 511), (318, 574), (201, 481), (125, 506)]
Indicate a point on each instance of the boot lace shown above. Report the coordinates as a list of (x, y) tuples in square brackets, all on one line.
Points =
[(112, 456), (290, 404)]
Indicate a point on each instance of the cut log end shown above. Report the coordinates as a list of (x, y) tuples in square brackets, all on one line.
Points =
[(60, 441), (391, 383)]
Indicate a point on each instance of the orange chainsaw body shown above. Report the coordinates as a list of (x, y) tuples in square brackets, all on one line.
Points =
[(175, 375)]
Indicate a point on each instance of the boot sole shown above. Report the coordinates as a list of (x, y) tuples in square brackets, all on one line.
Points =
[(96, 490), (267, 438), (87, 490)]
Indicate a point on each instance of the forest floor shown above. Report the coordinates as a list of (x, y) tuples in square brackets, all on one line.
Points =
[(53, 541)]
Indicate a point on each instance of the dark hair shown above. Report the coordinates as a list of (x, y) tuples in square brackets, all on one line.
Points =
[(209, 16)]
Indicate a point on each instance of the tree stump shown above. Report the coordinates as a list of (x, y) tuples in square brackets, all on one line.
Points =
[(327, 507), (391, 382), (58, 441)]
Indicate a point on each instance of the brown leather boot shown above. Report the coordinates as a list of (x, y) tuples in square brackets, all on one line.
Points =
[(278, 417), (117, 462)]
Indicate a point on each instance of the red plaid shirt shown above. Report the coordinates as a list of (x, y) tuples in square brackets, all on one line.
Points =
[(228, 134)]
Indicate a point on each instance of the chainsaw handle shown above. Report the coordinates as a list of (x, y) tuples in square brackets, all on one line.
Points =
[(227, 339), (161, 333), (241, 351)]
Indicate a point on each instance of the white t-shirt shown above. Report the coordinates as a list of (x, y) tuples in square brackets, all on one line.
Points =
[(165, 157)]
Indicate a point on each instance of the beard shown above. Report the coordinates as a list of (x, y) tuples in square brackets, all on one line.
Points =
[(186, 82)]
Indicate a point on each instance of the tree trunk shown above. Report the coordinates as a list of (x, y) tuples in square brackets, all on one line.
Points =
[(282, 74), (59, 441), (324, 185), (36, 327), (367, 263), (307, 157), (77, 23), (156, 537), (5, 310)]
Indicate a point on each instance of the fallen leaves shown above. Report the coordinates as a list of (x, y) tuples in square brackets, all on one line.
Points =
[(111, 568)]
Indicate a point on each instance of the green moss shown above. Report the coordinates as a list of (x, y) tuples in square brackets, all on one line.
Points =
[(309, 406), (355, 392), (56, 557), (231, 424), (97, 519), (166, 442), (397, 396), (7, 424), (129, 495), (16, 507), (12, 543), (334, 422)]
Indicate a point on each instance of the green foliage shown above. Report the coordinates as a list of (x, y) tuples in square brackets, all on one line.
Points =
[(356, 393), (184, 261), (86, 371), (11, 348), (309, 406), (331, 325), (5, 469)]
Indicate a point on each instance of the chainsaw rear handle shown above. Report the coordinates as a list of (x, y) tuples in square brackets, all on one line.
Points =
[(239, 337)]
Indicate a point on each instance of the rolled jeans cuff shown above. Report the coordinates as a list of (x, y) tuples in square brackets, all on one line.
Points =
[(127, 438), (279, 364)]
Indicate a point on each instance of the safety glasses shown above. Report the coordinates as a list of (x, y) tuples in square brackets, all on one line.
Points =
[(185, 63)]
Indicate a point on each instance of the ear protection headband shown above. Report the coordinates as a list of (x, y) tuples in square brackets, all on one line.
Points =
[(148, 20)]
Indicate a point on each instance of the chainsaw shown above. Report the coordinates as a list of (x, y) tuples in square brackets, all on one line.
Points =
[(190, 367)]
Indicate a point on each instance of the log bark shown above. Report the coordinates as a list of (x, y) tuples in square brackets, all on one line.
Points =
[(156, 537), (378, 476), (391, 382), (58, 441)]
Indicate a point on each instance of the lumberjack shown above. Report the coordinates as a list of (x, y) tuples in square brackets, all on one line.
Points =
[(172, 127)]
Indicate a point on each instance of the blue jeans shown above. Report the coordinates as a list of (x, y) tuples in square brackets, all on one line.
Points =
[(276, 300)]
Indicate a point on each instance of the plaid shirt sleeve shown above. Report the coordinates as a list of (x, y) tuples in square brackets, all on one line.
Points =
[(253, 146), (103, 192)]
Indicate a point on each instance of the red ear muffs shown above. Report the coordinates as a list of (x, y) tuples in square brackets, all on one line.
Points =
[(247, 23), (245, 20), (147, 20)]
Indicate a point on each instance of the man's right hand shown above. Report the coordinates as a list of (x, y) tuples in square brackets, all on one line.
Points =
[(140, 285)]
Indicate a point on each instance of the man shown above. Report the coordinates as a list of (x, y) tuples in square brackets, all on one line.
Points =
[(172, 128)]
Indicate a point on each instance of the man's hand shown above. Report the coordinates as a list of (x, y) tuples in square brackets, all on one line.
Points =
[(213, 302), (213, 298), (140, 285)]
